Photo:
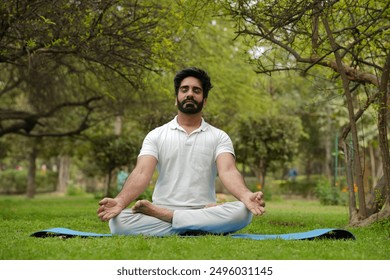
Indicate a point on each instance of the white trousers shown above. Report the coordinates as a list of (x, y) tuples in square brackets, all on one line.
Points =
[(225, 218)]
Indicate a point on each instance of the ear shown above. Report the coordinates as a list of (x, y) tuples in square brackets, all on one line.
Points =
[(204, 102)]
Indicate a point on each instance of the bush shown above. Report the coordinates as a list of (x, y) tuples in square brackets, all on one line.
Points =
[(301, 187), (253, 183), (329, 195), (74, 190), (15, 181)]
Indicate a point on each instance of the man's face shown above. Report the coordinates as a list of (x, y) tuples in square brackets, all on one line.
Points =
[(190, 96)]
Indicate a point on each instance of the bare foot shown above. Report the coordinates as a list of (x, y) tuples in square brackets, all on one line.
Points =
[(147, 208)]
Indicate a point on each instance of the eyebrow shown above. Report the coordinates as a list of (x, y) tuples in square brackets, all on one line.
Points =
[(186, 87)]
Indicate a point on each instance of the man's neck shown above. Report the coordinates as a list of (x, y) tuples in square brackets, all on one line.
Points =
[(189, 122)]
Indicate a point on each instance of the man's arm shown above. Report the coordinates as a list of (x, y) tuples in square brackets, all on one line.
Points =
[(235, 184), (135, 184)]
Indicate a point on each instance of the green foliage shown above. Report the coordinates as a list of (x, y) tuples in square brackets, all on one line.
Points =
[(383, 226), (252, 183), (297, 28), (330, 195), (268, 140), (15, 181), (307, 37), (74, 190), (111, 151), (237, 89), (62, 55), (300, 187), (4, 149)]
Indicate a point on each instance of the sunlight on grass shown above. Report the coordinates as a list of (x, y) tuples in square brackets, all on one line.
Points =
[(20, 217)]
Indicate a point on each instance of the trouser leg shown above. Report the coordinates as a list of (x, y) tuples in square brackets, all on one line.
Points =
[(128, 223), (224, 218)]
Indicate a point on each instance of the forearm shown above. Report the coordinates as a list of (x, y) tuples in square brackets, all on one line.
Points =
[(138, 181), (134, 186), (235, 184)]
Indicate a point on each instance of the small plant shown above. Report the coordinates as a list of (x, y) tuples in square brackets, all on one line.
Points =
[(329, 195), (14, 181), (75, 190)]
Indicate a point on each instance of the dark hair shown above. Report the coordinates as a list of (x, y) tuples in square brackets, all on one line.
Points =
[(197, 73)]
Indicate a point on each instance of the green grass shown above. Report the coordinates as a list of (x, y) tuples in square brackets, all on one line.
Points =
[(19, 217)]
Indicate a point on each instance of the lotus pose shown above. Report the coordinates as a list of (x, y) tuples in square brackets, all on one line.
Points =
[(188, 153)]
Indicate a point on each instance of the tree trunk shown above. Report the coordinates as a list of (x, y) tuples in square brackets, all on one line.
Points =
[(308, 167), (374, 179), (357, 167), (108, 185), (328, 153), (383, 113), (376, 198), (262, 180), (353, 213), (260, 171), (118, 125), (379, 198), (383, 214), (31, 185), (63, 174)]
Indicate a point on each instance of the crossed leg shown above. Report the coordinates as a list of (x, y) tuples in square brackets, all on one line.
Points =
[(148, 219), (148, 208)]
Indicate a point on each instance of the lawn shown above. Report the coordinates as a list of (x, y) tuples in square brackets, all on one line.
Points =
[(20, 217)]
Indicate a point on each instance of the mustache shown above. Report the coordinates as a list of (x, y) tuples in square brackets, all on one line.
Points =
[(189, 98)]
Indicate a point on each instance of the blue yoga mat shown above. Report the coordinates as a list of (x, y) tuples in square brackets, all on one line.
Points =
[(325, 233), (66, 232)]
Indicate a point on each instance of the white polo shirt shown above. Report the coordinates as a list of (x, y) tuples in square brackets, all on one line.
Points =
[(186, 163)]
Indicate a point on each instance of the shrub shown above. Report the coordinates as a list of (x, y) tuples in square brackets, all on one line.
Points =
[(15, 181), (329, 195), (75, 190), (302, 187)]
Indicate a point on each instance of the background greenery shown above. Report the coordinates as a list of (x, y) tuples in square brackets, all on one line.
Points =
[(98, 81), (82, 82), (21, 217)]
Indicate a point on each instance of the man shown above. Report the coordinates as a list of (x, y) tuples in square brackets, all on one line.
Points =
[(188, 153)]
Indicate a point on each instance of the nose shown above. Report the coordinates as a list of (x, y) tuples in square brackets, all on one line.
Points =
[(189, 95), (190, 92)]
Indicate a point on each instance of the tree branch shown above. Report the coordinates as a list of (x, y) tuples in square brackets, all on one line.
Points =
[(26, 121)]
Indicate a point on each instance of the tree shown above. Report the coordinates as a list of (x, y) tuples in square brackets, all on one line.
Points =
[(43, 42), (58, 59), (350, 38), (110, 151), (268, 140)]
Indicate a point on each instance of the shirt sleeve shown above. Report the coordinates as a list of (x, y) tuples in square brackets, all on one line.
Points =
[(225, 145), (149, 145)]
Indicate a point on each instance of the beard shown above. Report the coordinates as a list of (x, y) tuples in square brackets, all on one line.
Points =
[(190, 106)]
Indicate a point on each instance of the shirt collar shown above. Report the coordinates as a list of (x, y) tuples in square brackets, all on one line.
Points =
[(175, 125)]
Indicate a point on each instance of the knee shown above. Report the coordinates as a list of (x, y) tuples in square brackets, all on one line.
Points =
[(119, 224), (242, 213), (240, 216), (116, 227)]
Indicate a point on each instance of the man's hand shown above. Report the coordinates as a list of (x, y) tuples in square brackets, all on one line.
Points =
[(109, 208), (255, 203)]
